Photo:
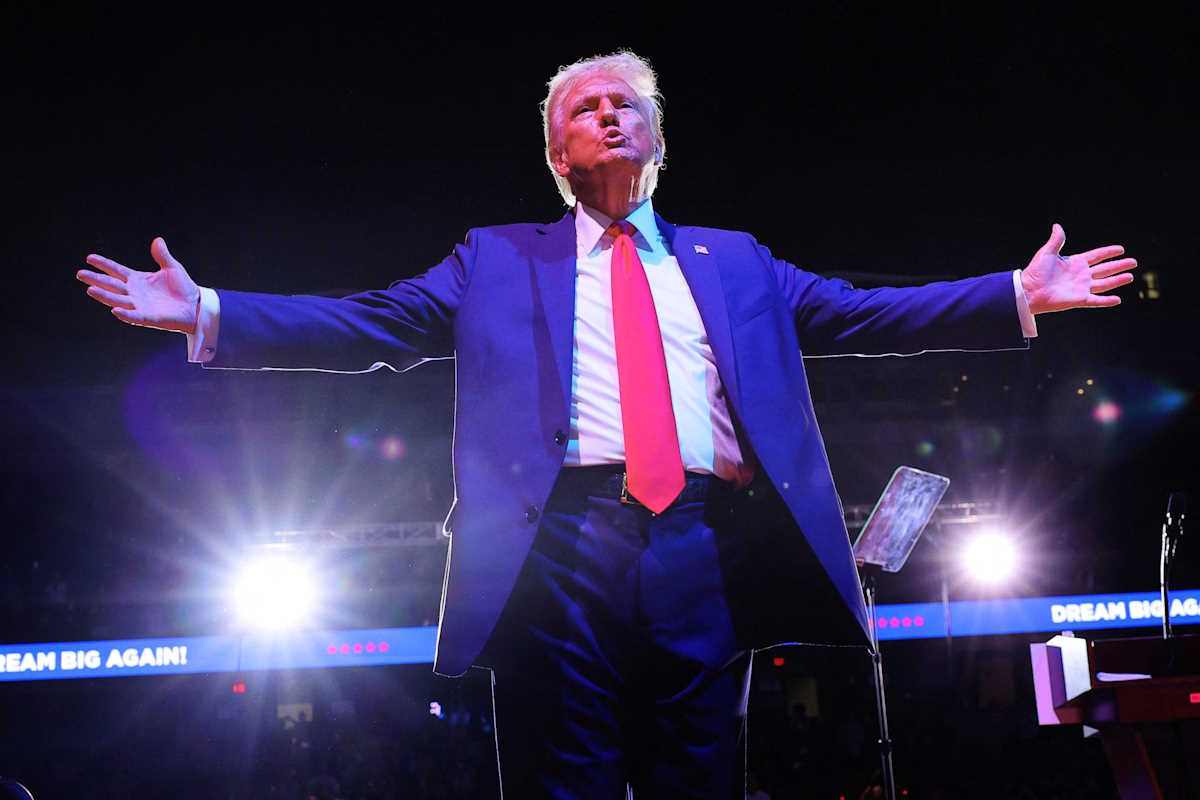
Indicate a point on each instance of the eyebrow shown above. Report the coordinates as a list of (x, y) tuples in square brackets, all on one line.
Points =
[(592, 96)]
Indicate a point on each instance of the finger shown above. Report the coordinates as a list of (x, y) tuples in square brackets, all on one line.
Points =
[(109, 266), (1102, 253), (1111, 283), (129, 315), (103, 281), (1054, 244), (1113, 267), (109, 298), (158, 249), (1093, 301)]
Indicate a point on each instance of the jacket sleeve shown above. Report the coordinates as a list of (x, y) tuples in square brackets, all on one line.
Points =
[(399, 327), (834, 318)]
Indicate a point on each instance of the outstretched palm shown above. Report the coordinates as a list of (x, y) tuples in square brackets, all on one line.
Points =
[(165, 299), (1054, 282)]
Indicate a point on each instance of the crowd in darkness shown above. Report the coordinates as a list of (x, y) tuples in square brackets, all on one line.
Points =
[(292, 759), (442, 758), (370, 735)]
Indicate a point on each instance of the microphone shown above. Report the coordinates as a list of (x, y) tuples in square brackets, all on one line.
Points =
[(1172, 532), (1173, 525), (1177, 509)]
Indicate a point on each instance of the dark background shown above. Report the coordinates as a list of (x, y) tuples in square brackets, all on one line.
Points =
[(340, 152)]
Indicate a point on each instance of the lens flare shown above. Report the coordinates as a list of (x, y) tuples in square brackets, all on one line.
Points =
[(990, 558), (392, 448), (1106, 412), (273, 593)]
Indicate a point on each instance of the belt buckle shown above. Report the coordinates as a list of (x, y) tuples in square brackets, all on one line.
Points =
[(626, 499)]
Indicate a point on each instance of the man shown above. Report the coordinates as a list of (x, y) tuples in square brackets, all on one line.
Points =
[(642, 494)]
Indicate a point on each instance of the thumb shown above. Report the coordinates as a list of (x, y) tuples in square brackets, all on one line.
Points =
[(158, 249), (1058, 238)]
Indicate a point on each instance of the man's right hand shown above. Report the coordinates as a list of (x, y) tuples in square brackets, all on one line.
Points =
[(165, 299)]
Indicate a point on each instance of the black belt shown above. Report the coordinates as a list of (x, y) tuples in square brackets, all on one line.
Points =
[(609, 481)]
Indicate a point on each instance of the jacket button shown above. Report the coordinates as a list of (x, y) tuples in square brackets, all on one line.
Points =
[(531, 514), (560, 437)]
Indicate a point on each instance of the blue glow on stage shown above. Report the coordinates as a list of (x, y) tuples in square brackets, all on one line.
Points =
[(390, 646)]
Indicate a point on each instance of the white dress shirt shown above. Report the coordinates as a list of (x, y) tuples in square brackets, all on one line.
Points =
[(707, 442)]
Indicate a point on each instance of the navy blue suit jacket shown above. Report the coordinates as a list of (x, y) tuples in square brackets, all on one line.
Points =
[(502, 304)]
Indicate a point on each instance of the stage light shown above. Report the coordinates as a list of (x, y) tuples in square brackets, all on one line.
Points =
[(274, 593), (990, 557), (1153, 290), (1106, 412)]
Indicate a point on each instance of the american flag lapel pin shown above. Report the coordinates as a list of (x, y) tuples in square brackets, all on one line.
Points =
[(701, 249)]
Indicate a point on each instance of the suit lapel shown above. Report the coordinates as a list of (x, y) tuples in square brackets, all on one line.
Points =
[(703, 277), (554, 269)]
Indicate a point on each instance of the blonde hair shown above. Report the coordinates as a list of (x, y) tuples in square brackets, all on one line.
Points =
[(629, 67)]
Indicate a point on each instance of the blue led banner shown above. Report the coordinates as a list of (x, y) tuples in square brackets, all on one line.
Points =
[(181, 656), (29, 662), (1035, 615), (383, 646)]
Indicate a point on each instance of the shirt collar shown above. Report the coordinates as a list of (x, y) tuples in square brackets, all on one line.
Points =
[(591, 224)]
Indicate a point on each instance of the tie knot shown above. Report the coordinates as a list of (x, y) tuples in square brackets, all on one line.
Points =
[(621, 226)]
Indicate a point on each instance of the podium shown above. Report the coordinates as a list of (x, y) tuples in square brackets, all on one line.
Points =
[(1140, 696)]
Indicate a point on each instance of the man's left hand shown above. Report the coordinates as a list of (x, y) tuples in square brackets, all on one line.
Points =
[(1054, 282)]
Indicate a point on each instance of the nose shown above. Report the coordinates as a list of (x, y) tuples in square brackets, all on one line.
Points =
[(607, 112)]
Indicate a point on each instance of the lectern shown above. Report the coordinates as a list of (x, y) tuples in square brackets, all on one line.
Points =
[(1140, 699)]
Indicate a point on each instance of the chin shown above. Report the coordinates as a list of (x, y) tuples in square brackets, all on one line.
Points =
[(624, 158)]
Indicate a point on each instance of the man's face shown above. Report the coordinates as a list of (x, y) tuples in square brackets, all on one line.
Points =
[(603, 131)]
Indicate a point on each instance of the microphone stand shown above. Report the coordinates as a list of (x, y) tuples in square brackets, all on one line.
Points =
[(1172, 532), (887, 774)]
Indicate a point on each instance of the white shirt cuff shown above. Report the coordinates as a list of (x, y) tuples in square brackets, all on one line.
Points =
[(202, 345), (1028, 325)]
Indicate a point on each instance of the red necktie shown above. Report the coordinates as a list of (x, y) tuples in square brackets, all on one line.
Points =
[(653, 467)]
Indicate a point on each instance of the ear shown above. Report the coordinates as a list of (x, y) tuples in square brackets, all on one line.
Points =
[(559, 162)]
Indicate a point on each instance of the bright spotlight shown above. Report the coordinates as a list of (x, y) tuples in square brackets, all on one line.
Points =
[(274, 593), (990, 558)]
